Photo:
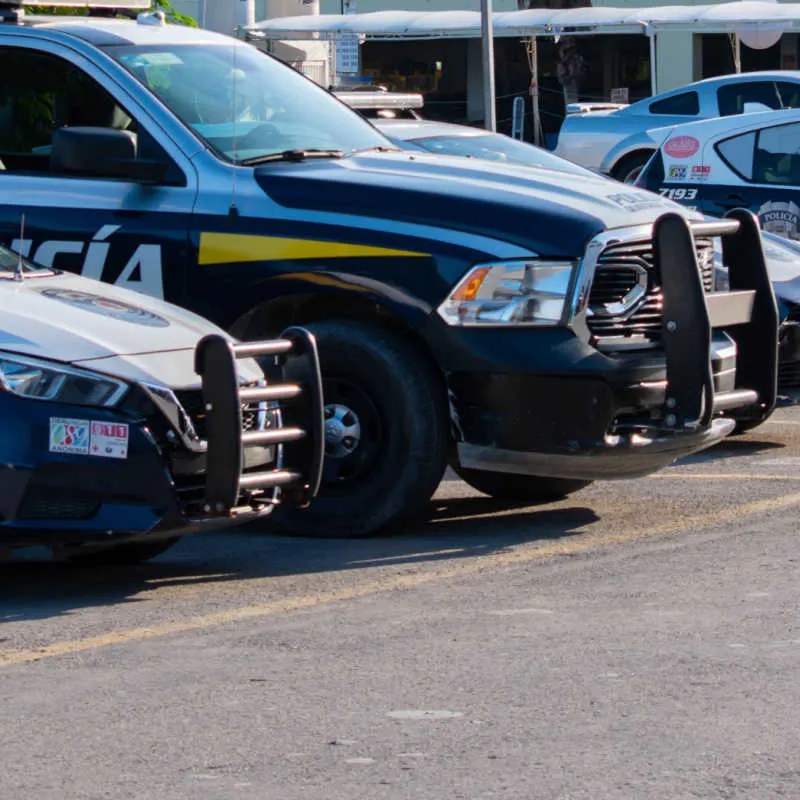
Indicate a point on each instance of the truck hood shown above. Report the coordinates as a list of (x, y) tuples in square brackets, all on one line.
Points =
[(66, 318), (548, 211)]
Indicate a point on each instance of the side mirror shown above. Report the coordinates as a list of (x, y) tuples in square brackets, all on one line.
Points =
[(104, 153)]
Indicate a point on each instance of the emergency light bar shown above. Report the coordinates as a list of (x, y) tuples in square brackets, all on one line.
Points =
[(388, 100)]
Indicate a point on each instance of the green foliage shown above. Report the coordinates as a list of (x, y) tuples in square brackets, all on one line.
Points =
[(157, 5), (172, 15)]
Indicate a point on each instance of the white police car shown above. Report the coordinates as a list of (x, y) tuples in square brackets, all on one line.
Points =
[(127, 422), (748, 161)]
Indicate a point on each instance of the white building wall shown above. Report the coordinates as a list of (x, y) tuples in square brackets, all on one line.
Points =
[(677, 56)]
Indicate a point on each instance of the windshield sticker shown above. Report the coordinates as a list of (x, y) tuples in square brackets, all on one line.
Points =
[(634, 202), (69, 435), (678, 194), (682, 147), (677, 173), (781, 218), (109, 440), (700, 172), (106, 307), (138, 60)]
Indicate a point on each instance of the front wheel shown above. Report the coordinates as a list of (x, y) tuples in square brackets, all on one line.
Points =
[(627, 170), (515, 488), (386, 433)]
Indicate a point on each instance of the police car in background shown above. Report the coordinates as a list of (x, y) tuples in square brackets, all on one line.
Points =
[(749, 161), (126, 422), (530, 326)]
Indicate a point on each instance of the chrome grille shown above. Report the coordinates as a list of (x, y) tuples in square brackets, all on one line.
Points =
[(615, 309), (788, 376), (192, 402)]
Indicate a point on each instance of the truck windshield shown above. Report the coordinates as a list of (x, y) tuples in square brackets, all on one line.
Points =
[(244, 103)]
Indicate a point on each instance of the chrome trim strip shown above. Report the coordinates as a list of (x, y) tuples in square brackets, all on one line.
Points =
[(169, 405)]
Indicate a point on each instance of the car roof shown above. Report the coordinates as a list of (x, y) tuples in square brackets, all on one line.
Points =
[(407, 129), (719, 80), (745, 77), (104, 32), (706, 128)]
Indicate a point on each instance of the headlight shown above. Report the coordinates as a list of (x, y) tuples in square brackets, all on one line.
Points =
[(45, 380), (511, 293)]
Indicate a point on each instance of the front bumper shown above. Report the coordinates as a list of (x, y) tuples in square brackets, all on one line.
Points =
[(554, 405), (615, 458), (789, 359), (169, 481)]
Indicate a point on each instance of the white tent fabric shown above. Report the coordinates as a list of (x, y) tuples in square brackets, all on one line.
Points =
[(725, 17)]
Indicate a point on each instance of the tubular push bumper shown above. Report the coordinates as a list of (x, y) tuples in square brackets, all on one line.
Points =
[(298, 434), (685, 423)]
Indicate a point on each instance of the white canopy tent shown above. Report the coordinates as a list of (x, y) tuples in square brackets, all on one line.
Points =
[(744, 15), (757, 22)]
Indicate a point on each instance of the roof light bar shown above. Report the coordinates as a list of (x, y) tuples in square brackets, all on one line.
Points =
[(388, 100)]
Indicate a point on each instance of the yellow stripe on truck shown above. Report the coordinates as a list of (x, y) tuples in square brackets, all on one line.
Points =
[(232, 248)]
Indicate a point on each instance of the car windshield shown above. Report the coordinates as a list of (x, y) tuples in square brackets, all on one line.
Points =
[(246, 104), (497, 147)]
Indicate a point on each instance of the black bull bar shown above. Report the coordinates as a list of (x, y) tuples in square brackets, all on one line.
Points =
[(294, 405), (748, 313)]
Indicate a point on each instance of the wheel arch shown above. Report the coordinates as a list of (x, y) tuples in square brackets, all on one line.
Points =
[(633, 156), (271, 316)]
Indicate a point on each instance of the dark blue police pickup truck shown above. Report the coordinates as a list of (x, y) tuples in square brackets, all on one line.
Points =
[(535, 329)]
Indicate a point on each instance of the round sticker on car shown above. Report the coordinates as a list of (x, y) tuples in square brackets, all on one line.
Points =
[(682, 147), (106, 306)]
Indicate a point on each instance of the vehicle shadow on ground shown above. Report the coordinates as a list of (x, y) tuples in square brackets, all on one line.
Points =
[(459, 528), (734, 447)]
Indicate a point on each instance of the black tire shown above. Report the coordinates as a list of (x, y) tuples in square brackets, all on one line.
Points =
[(627, 169), (121, 555), (400, 455), (530, 489), (745, 425)]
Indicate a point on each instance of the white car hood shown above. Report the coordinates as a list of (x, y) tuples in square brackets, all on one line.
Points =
[(67, 318)]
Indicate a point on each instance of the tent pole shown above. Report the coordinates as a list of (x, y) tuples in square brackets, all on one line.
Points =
[(537, 118), (653, 65), (532, 50), (487, 52), (736, 43)]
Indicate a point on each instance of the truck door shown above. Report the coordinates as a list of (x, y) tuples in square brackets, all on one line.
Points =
[(70, 214), (765, 165)]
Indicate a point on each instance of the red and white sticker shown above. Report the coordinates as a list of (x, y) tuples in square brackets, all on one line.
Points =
[(109, 440), (682, 147)]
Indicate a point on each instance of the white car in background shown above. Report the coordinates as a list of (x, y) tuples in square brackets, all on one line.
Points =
[(613, 138)]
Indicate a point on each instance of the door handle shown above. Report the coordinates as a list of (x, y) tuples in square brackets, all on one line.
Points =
[(733, 201)]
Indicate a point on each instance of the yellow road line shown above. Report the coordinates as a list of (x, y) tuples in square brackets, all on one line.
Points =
[(478, 564), (721, 476)]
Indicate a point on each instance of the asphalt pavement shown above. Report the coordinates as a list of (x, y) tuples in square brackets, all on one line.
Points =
[(639, 639)]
